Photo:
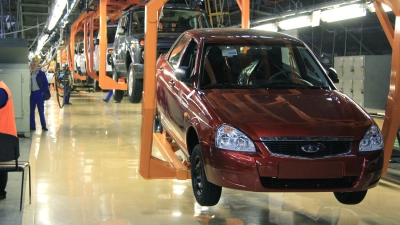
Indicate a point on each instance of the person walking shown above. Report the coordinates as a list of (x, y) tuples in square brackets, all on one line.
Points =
[(39, 86), (7, 126), (109, 94)]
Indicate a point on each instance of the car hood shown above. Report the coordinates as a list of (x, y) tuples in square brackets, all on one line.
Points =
[(274, 113)]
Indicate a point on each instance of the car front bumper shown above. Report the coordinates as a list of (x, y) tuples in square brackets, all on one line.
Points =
[(263, 171)]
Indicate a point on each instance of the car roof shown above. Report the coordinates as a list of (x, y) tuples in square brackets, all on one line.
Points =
[(225, 34)]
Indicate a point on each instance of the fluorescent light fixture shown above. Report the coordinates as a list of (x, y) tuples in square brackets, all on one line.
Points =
[(42, 40), (297, 22), (316, 18), (385, 7), (344, 13), (56, 13), (267, 27)]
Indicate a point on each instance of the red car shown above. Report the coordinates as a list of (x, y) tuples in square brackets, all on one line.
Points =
[(256, 111)]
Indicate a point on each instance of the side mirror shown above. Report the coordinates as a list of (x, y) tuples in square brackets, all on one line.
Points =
[(120, 30), (96, 41), (183, 73), (333, 75), (180, 73)]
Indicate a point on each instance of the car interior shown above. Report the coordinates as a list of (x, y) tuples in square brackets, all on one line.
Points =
[(263, 65)]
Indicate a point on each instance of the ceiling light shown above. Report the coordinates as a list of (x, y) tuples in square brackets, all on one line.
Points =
[(267, 27), (385, 7), (56, 13), (42, 40), (343, 13), (297, 22)]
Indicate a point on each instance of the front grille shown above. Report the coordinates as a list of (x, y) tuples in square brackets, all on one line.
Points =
[(275, 183), (318, 149)]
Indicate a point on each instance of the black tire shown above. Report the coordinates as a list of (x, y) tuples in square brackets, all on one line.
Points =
[(206, 193), (89, 80), (118, 95), (96, 86), (350, 198), (135, 86)]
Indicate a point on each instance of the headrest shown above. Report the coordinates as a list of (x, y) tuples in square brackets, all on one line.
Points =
[(256, 53)]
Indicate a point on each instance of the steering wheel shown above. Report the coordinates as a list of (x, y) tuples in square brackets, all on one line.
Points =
[(297, 78), (280, 73)]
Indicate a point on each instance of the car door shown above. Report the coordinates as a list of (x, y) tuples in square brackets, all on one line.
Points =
[(184, 89), (166, 85), (119, 43), (179, 89)]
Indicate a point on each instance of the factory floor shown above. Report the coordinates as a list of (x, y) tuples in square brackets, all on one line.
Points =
[(85, 171)]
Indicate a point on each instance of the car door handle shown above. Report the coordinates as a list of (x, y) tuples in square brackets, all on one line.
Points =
[(172, 82)]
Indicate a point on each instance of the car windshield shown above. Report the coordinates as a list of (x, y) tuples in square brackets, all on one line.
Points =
[(261, 65), (173, 20)]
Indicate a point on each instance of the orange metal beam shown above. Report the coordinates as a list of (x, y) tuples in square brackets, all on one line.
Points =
[(244, 6), (181, 170), (392, 112), (149, 166), (151, 14), (106, 82), (88, 45), (384, 20)]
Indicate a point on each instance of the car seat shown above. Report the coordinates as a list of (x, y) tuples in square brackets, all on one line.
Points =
[(257, 71)]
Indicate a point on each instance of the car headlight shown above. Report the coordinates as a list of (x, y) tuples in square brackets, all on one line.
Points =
[(372, 140), (230, 138)]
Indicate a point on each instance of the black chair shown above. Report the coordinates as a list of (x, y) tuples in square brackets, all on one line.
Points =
[(9, 154)]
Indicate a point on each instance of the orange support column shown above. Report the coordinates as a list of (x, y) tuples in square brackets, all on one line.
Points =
[(88, 43), (105, 82), (148, 163), (244, 6), (151, 167), (392, 113)]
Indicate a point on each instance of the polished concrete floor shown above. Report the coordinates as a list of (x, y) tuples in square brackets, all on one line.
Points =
[(85, 171)]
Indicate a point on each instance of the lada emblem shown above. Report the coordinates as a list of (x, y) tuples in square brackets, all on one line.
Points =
[(310, 148)]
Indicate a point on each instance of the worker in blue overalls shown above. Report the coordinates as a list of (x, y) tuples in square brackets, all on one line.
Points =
[(39, 86)]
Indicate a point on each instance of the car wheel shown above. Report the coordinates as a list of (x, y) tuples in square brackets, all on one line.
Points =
[(157, 123), (89, 81), (76, 69), (135, 86), (96, 86), (350, 198), (206, 193), (118, 95)]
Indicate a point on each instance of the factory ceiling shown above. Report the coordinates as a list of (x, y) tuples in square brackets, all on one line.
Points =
[(27, 18)]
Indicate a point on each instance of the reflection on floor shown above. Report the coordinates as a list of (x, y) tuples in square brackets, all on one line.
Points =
[(85, 171)]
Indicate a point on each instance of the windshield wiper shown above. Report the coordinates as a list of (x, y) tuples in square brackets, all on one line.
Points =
[(227, 86), (286, 85)]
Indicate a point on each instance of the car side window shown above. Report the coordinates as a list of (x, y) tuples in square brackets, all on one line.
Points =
[(137, 22), (174, 56), (189, 58), (122, 22)]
